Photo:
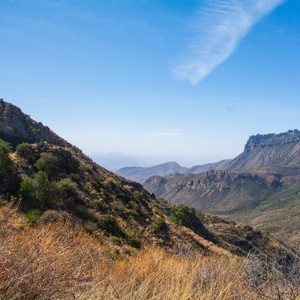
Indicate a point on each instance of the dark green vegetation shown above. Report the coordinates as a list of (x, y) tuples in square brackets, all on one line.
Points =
[(259, 187), (5, 162)]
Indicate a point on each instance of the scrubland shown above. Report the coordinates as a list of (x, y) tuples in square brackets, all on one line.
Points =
[(58, 260)]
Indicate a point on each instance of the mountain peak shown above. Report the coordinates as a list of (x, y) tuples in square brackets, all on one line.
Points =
[(17, 127), (272, 139)]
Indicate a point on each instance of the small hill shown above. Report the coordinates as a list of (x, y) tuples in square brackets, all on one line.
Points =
[(141, 174), (207, 167)]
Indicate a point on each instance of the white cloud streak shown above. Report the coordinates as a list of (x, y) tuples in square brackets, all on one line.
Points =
[(172, 132), (219, 26)]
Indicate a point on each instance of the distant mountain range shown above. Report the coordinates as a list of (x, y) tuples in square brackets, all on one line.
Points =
[(141, 174), (260, 186)]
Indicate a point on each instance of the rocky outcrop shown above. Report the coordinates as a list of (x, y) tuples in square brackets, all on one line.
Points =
[(267, 140), (17, 127), (278, 153)]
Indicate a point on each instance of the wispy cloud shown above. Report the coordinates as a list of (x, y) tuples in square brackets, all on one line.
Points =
[(219, 27), (172, 132)]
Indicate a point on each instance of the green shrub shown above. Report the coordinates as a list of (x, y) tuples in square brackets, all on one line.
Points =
[(38, 191), (64, 192), (116, 240), (101, 205), (139, 195), (85, 213), (33, 216), (157, 225), (75, 177), (26, 188), (47, 163), (179, 215), (5, 162), (90, 226), (43, 189), (132, 240), (22, 150), (107, 221)]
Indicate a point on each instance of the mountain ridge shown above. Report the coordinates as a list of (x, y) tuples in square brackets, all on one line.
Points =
[(141, 174)]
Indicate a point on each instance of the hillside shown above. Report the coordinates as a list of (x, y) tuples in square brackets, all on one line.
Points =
[(141, 174)]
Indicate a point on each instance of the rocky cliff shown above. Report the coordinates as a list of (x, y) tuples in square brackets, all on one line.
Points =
[(17, 127), (273, 152)]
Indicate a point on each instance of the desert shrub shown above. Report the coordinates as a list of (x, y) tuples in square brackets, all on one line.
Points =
[(75, 177), (47, 163), (65, 192), (38, 191), (85, 213), (26, 188), (116, 240), (132, 239), (101, 205), (50, 216), (22, 150), (5, 162), (43, 189), (90, 226), (132, 205), (157, 225), (138, 195), (33, 216), (107, 221), (43, 193), (179, 215)]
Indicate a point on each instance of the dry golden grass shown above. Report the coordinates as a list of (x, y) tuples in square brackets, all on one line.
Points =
[(60, 261)]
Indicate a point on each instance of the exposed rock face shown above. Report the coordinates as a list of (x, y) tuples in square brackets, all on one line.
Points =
[(272, 139), (271, 151), (16, 127)]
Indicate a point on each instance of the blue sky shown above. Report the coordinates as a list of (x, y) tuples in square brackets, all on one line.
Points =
[(160, 80)]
